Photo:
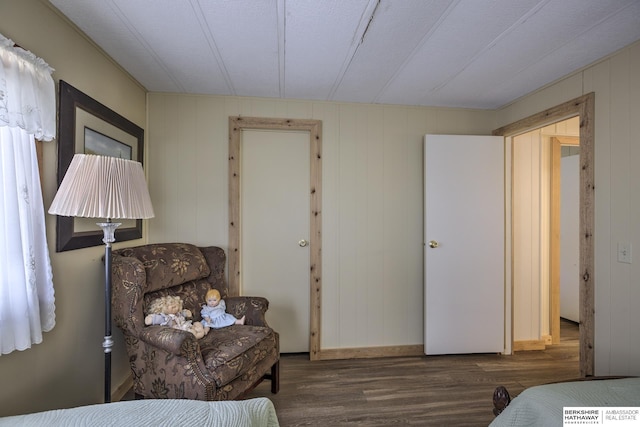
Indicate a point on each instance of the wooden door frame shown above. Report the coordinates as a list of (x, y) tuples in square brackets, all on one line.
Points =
[(584, 108), (236, 125), (554, 249)]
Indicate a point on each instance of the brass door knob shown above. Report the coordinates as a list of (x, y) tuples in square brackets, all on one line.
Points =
[(433, 244)]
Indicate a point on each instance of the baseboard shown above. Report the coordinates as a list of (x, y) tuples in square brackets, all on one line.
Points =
[(118, 393), (548, 340), (529, 345), (371, 352)]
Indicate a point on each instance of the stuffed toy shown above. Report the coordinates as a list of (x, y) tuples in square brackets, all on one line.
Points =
[(169, 311), (214, 313)]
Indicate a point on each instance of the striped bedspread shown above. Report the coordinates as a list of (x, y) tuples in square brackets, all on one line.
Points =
[(258, 412)]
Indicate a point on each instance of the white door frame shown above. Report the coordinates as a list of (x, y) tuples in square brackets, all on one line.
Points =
[(314, 127)]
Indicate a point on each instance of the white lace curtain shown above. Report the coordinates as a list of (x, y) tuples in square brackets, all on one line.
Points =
[(27, 111)]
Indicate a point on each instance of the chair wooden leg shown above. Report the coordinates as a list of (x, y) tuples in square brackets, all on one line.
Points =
[(275, 377)]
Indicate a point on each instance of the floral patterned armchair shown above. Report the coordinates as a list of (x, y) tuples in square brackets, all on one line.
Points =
[(170, 363)]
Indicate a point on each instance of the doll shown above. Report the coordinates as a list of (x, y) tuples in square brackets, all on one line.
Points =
[(213, 312), (168, 311)]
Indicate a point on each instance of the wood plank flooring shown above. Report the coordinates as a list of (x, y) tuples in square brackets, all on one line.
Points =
[(423, 391)]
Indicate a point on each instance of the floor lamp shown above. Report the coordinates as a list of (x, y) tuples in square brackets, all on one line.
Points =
[(104, 187)]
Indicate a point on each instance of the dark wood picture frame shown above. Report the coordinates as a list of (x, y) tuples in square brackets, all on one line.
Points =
[(70, 101)]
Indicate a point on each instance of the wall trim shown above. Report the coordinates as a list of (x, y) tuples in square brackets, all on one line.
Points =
[(371, 352), (122, 390), (529, 345)]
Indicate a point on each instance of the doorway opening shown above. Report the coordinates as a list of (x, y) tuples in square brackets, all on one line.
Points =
[(545, 221), (314, 128), (583, 108)]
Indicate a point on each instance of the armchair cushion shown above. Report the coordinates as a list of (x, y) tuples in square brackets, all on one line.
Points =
[(168, 265), (229, 354)]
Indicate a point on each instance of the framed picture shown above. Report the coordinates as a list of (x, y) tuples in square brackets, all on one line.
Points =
[(87, 126), (97, 143)]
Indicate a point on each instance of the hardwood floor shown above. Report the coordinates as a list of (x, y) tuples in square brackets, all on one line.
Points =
[(424, 391)]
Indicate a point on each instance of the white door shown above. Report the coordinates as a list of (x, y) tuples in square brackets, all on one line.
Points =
[(464, 244), (275, 224)]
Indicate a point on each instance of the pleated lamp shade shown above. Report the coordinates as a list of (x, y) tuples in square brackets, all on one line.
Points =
[(103, 187)]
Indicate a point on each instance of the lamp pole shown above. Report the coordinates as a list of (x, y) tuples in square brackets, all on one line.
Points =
[(108, 229)]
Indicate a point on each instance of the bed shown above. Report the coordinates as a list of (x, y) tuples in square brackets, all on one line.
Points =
[(258, 412), (543, 405)]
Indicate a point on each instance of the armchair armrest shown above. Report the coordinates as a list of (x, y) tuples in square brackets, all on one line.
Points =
[(128, 283), (172, 340), (254, 308)]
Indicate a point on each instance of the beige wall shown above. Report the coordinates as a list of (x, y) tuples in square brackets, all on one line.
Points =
[(616, 83), (372, 199), (66, 369)]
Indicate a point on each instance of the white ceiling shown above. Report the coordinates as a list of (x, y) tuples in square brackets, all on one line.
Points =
[(448, 53)]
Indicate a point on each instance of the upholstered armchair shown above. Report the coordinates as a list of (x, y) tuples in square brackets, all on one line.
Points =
[(171, 363)]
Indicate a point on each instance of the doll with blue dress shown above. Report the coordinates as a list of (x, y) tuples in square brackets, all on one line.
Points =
[(214, 312)]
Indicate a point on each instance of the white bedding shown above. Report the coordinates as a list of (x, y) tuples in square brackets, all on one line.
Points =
[(542, 405), (257, 412)]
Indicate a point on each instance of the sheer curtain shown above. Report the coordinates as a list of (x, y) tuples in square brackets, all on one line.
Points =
[(27, 111)]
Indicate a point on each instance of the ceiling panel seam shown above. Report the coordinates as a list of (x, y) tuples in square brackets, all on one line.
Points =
[(364, 33), (134, 32), (211, 42), (600, 22), (281, 14), (416, 49), (367, 17), (489, 46), (548, 52)]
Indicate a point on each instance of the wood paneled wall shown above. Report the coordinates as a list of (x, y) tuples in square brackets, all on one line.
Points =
[(372, 295), (528, 220)]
